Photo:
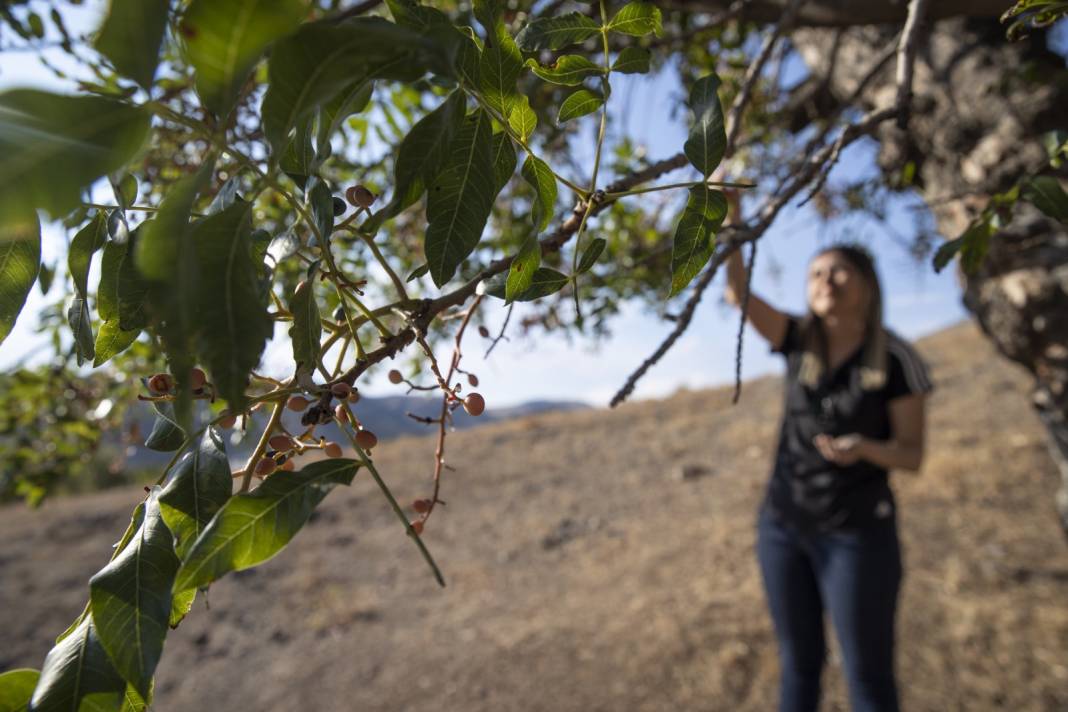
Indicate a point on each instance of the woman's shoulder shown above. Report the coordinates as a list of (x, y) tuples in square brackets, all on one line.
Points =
[(905, 365)]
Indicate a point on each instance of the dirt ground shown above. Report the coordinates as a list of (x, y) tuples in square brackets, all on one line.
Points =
[(586, 573)]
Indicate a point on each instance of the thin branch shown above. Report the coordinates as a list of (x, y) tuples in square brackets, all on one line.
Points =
[(752, 74), (741, 324), (500, 334), (906, 59)]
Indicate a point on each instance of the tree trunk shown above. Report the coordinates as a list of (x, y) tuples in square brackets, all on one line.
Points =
[(981, 105)]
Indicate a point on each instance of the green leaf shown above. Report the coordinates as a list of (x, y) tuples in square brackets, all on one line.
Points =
[(557, 32), (1056, 143), (461, 198), (233, 324), (418, 272), (122, 293), (163, 249), (131, 37), (504, 160), (488, 12), (131, 599), (349, 101), (299, 159), (198, 487), (545, 282), (53, 146), (167, 435), (945, 253), (580, 103), (125, 190), (81, 326), (590, 255), (225, 38), (521, 271), (1046, 194), (307, 326), (498, 70), (20, 260), (88, 240), (421, 155), (252, 528), (321, 203), (132, 701), (695, 236), (75, 669), (181, 604), (708, 140), (637, 18), (322, 59), (632, 60), (16, 688), (972, 246), (537, 172), (568, 70), (111, 341), (523, 120)]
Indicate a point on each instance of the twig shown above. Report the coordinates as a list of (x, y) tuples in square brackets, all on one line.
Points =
[(906, 59), (500, 334), (741, 324), (752, 74)]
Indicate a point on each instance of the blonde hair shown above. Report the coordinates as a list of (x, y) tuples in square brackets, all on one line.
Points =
[(814, 358)]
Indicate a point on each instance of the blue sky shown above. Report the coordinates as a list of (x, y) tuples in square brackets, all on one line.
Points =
[(549, 367)]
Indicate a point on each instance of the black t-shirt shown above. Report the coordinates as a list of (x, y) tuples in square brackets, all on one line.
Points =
[(807, 490)]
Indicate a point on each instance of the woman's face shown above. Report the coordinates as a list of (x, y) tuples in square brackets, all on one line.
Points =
[(836, 288)]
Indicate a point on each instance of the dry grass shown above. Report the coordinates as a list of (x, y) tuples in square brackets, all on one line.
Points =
[(584, 574)]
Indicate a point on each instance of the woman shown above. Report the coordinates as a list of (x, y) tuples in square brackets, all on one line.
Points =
[(827, 534)]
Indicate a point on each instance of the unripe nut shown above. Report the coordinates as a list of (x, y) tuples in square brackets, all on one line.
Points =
[(297, 403), (340, 413), (228, 421), (366, 439), (475, 404), (265, 467), (332, 449), (417, 526), (282, 443), (161, 383), (359, 196), (341, 390), (288, 466), (421, 505), (339, 207), (483, 332), (395, 376), (472, 380), (354, 397), (197, 379)]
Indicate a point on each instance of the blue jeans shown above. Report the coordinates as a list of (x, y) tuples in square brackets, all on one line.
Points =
[(855, 576)]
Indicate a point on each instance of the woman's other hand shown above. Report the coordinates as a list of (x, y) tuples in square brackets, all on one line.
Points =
[(842, 450)]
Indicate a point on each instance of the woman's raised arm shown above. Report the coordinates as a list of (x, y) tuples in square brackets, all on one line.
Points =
[(766, 319)]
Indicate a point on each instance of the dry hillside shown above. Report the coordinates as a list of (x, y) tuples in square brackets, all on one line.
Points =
[(586, 574)]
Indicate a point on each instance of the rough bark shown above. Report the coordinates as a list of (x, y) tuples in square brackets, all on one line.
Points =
[(980, 106)]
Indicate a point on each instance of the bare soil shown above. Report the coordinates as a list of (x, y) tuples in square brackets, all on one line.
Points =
[(586, 573)]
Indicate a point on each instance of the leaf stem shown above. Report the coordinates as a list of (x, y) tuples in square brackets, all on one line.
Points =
[(672, 186), (276, 417)]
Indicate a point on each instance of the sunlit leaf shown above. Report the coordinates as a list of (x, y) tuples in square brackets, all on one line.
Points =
[(81, 327), (637, 18), (521, 271), (53, 146), (82, 248), (504, 160), (523, 120), (111, 341), (251, 528), (695, 236), (16, 688), (225, 38), (557, 32), (1046, 194), (20, 259), (540, 176), (198, 486), (568, 70), (590, 254), (131, 599), (580, 103), (131, 37)]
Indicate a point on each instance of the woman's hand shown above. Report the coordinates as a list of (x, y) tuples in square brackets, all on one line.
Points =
[(842, 450)]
